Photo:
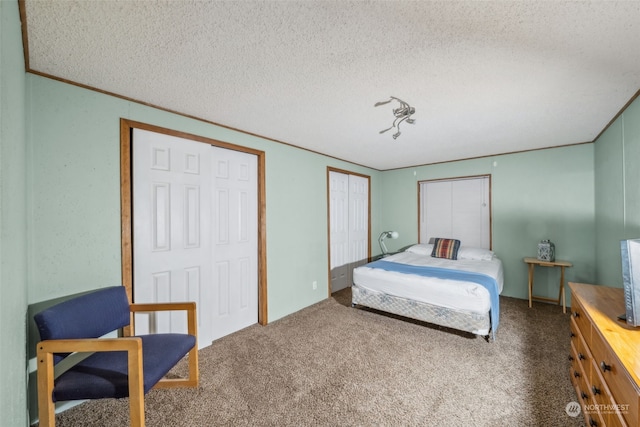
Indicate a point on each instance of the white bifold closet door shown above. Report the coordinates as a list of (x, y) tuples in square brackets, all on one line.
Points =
[(235, 241), (195, 234), (458, 209), (348, 225)]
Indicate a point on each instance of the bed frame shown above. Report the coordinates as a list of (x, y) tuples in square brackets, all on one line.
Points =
[(462, 320)]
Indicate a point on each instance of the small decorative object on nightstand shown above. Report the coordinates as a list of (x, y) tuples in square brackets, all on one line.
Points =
[(546, 251)]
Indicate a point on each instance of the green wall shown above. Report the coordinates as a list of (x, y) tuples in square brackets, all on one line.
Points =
[(617, 192), (543, 194), (75, 197), (60, 213), (74, 191), (13, 213)]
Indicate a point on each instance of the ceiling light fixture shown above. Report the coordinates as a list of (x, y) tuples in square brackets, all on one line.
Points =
[(402, 113)]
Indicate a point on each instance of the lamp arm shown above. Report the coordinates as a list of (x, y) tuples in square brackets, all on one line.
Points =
[(383, 236)]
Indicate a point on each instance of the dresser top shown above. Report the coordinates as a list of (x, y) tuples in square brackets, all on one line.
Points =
[(603, 305)]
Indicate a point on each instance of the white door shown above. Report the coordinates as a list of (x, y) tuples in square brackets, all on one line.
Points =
[(456, 208), (348, 226), (171, 236), (436, 205), (235, 241), (174, 254), (339, 230), (358, 221)]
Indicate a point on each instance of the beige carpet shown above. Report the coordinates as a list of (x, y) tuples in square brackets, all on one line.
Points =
[(333, 365)]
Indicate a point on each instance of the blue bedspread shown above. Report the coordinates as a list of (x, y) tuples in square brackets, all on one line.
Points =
[(444, 273)]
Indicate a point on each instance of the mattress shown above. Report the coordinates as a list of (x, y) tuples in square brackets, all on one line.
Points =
[(453, 294)]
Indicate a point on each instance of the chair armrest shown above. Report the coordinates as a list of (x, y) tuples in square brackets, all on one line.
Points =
[(192, 329), (162, 306), (90, 345), (189, 307), (46, 350)]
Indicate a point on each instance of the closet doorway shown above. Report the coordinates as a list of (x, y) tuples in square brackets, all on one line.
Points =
[(457, 208), (349, 225), (196, 232)]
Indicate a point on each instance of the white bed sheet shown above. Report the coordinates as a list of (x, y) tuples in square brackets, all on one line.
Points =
[(447, 293)]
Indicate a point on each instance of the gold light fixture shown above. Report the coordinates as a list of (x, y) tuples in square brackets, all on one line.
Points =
[(402, 113)]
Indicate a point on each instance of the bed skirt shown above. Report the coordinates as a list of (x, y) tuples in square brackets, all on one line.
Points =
[(476, 323)]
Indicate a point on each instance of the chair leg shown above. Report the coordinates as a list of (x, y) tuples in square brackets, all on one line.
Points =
[(194, 374), (46, 407), (136, 387), (136, 411)]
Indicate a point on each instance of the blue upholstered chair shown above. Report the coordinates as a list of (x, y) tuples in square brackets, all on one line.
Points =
[(74, 363)]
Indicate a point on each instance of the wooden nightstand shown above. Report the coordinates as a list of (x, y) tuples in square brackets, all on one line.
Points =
[(532, 262)]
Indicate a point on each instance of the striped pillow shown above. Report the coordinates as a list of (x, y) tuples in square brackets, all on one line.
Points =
[(445, 248)]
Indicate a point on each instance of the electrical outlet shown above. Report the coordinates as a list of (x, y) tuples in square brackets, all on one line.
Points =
[(314, 285)]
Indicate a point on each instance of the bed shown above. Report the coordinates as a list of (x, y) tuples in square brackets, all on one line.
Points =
[(459, 289)]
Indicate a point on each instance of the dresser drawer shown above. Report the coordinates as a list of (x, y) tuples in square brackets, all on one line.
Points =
[(609, 368), (581, 320), (595, 420), (606, 405), (579, 368), (582, 352), (579, 381), (599, 390), (616, 420)]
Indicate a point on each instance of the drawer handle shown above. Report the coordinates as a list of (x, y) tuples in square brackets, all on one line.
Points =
[(592, 422), (604, 366), (576, 314), (576, 374), (583, 395), (570, 358), (581, 356), (595, 390)]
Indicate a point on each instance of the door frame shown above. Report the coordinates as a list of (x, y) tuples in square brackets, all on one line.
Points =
[(126, 205), (368, 178)]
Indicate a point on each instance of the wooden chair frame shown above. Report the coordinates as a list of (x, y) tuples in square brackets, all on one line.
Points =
[(132, 345)]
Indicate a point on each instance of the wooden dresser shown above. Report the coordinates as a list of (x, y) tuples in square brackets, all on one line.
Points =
[(605, 357)]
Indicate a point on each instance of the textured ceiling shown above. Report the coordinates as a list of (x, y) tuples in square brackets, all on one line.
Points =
[(485, 77)]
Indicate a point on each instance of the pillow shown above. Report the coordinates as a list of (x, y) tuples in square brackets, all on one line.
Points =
[(420, 249), (445, 248), (466, 252)]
